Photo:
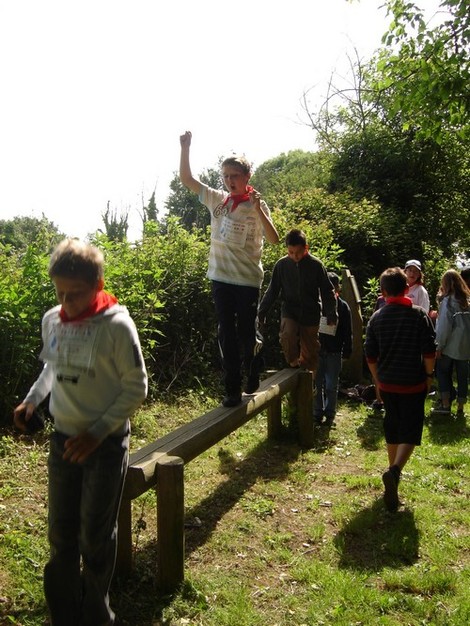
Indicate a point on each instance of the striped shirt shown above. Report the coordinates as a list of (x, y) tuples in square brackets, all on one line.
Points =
[(236, 240), (398, 338)]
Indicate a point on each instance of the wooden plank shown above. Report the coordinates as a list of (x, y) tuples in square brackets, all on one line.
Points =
[(285, 379), (161, 463), (191, 439)]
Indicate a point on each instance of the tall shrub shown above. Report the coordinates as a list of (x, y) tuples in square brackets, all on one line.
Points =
[(25, 294)]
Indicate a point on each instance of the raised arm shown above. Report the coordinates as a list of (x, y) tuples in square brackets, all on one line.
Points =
[(186, 175), (270, 231)]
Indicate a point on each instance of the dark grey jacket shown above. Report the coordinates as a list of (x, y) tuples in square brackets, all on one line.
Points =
[(305, 289)]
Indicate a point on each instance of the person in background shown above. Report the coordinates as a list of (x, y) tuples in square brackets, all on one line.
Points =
[(465, 274), (240, 220), (334, 347), (95, 374), (302, 282), (453, 341), (400, 352), (416, 291)]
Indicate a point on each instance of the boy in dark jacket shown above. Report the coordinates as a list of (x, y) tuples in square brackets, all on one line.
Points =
[(400, 350), (335, 345), (306, 291)]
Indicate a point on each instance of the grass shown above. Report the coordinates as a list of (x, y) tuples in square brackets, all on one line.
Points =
[(275, 535)]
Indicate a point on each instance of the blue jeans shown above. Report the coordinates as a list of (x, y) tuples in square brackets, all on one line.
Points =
[(444, 367), (327, 382), (84, 502)]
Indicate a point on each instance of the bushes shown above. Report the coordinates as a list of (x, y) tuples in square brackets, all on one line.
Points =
[(162, 282), (25, 293)]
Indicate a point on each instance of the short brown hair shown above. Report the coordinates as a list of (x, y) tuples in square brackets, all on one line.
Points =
[(393, 281), (238, 161), (74, 259)]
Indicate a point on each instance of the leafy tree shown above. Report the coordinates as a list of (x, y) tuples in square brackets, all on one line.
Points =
[(290, 173), (20, 232), (422, 186), (150, 212), (115, 227), (184, 204), (423, 72)]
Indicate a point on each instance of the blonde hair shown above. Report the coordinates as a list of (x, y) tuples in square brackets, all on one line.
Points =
[(74, 259)]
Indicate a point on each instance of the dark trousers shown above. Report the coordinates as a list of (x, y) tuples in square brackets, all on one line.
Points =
[(83, 506), (236, 308)]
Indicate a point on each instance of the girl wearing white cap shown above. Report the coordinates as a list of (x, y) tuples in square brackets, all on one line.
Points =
[(416, 291)]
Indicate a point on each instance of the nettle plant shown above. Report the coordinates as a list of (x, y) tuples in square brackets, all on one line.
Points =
[(26, 293)]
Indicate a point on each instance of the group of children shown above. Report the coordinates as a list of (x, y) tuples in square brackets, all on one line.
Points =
[(407, 347), (240, 220), (95, 375)]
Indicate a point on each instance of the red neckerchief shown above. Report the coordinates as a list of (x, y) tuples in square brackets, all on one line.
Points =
[(238, 198), (103, 301), (403, 300)]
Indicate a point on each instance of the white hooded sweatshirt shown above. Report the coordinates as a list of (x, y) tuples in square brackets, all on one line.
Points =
[(94, 371)]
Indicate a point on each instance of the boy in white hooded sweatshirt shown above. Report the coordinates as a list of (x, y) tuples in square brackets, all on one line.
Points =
[(96, 377)]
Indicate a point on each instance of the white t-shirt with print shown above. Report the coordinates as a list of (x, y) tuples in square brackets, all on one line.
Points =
[(236, 240)]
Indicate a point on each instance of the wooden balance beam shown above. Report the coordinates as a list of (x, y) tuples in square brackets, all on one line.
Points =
[(161, 464)]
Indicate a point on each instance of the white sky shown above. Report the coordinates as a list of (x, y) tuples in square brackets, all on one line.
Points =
[(95, 93)]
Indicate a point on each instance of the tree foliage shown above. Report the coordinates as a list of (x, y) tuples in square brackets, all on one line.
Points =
[(419, 178), (26, 293), (20, 232), (423, 72), (150, 211), (184, 204), (116, 226), (291, 172), (425, 185)]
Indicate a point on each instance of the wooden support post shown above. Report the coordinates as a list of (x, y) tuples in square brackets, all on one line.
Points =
[(170, 522), (274, 418), (304, 399), (352, 369), (124, 548)]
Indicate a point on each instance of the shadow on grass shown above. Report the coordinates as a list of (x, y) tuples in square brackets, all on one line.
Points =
[(136, 599), (446, 430), (370, 433), (267, 461), (374, 539)]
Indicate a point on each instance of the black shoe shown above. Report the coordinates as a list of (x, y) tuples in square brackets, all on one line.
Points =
[(233, 399), (318, 418), (252, 384), (390, 481)]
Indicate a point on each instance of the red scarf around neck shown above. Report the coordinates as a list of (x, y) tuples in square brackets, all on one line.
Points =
[(103, 301), (404, 300), (238, 198)]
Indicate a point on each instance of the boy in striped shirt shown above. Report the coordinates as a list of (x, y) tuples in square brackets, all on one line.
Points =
[(400, 351)]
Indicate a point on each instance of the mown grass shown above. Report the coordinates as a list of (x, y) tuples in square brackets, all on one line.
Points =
[(275, 535)]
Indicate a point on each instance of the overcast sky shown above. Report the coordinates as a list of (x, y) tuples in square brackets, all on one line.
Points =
[(95, 93)]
